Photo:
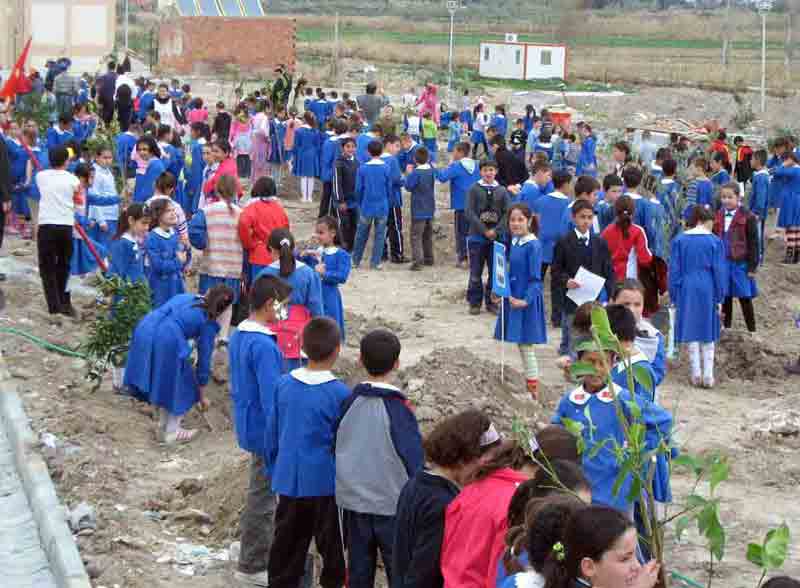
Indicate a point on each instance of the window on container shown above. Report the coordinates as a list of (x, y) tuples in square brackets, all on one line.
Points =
[(518, 56), (547, 58), (486, 54)]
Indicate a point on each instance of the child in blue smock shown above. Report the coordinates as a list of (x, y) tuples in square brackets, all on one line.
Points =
[(697, 280), (84, 124), (305, 301), (499, 120), (455, 130), (649, 340), (523, 317), (60, 133), (462, 173), (300, 450), (719, 175), (127, 255), (200, 135), (587, 158), (256, 364), (703, 189), (592, 406), (306, 155), (18, 165), (540, 183), (152, 167), (668, 192), (623, 325), (332, 264), (788, 177), (550, 209), (174, 161), (124, 145), (83, 261), (738, 229), (160, 368), (759, 196), (103, 219), (166, 255)]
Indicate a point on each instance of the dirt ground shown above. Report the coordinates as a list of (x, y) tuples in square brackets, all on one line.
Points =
[(104, 451)]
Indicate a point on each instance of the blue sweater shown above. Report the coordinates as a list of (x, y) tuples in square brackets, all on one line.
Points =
[(56, 137), (302, 432), (759, 197), (127, 259), (420, 183), (146, 182), (396, 198), (255, 367), (461, 174), (374, 187)]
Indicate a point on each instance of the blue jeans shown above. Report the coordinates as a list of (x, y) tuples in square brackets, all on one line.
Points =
[(362, 236), (366, 533), (480, 255)]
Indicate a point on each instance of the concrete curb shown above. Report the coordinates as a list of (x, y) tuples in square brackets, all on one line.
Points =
[(50, 515)]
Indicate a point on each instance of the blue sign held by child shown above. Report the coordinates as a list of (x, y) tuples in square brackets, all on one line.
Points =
[(500, 285)]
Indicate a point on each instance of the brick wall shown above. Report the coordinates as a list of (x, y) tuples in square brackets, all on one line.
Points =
[(202, 45)]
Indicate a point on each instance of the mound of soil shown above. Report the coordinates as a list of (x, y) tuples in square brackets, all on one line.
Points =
[(742, 356)]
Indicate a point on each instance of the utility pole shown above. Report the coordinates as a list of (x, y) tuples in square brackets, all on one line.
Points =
[(763, 8), (452, 6), (335, 65), (127, 16)]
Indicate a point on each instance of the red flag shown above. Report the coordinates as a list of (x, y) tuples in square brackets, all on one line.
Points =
[(17, 82)]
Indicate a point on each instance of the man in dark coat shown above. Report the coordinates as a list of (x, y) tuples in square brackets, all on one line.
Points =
[(106, 89)]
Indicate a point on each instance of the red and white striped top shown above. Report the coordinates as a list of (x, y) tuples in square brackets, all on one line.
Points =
[(223, 256)]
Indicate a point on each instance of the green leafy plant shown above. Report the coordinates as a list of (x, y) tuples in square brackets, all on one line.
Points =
[(704, 510), (124, 305), (771, 553)]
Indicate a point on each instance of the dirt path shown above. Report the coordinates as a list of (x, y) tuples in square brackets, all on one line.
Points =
[(106, 454)]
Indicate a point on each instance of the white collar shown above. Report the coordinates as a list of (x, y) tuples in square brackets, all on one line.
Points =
[(636, 358), (633, 195), (557, 194), (385, 155), (251, 326), (698, 230), (130, 238), (520, 241), (383, 385), (277, 264), (645, 325), (580, 396), (162, 233), (329, 250), (587, 235), (312, 377), (545, 145), (494, 184), (424, 166), (761, 171), (656, 167), (201, 141), (375, 162), (667, 181)]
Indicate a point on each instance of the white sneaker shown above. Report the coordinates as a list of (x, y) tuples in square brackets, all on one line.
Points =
[(257, 579)]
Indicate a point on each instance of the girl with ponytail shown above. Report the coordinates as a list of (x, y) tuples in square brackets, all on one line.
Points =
[(160, 369), (215, 230), (624, 237), (305, 301)]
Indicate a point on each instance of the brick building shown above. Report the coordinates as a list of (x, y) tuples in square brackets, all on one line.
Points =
[(205, 44)]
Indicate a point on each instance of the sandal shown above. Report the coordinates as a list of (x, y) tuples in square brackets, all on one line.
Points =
[(178, 437)]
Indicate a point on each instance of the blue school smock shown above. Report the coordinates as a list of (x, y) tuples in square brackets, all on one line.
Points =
[(500, 123), (18, 162), (337, 270), (668, 193), (546, 148), (125, 143), (455, 129), (321, 111), (759, 196), (656, 171), (697, 285), (396, 195), (83, 129), (705, 192), (719, 179), (790, 196), (146, 102), (525, 326), (331, 149), (82, 261), (302, 433), (194, 181), (602, 468), (605, 214), (738, 283), (549, 209), (406, 157), (587, 158), (174, 162), (433, 148), (256, 365), (306, 152), (277, 133), (43, 158), (641, 209), (164, 270), (461, 174), (654, 227), (362, 142), (421, 184), (159, 369), (776, 184), (620, 376), (127, 259), (55, 137), (466, 118), (374, 186), (146, 182)]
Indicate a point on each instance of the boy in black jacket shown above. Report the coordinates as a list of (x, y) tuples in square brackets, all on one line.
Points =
[(345, 169), (579, 247)]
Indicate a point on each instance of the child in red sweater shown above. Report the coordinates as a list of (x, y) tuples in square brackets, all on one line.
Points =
[(627, 242)]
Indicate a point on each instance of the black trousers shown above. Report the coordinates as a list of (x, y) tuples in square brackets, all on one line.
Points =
[(2, 223), (107, 111), (747, 311), (348, 224), (326, 205), (55, 249), (394, 233), (124, 115), (297, 521)]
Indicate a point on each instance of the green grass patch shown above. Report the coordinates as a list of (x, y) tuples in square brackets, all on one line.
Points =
[(318, 35)]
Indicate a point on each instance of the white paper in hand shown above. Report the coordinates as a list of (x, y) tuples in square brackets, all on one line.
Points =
[(590, 287)]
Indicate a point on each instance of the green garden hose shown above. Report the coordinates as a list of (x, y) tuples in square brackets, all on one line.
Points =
[(43, 343)]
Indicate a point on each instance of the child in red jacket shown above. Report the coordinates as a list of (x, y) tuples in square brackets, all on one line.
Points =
[(262, 215), (627, 242)]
